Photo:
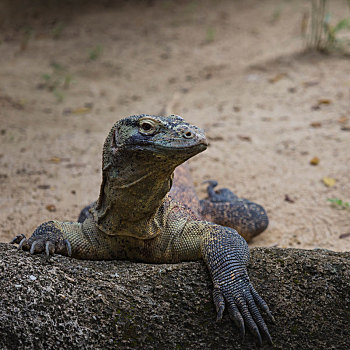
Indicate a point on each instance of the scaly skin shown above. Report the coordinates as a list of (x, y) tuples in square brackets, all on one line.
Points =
[(222, 207), (136, 219)]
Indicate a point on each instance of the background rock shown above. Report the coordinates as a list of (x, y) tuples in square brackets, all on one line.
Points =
[(65, 303)]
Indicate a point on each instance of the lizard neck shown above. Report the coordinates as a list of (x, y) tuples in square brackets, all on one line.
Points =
[(133, 188)]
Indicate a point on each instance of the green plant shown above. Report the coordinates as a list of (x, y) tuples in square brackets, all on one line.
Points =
[(57, 81), (323, 36), (57, 30), (332, 31), (338, 203), (58, 94), (95, 53), (210, 34), (277, 12), (28, 33), (191, 7)]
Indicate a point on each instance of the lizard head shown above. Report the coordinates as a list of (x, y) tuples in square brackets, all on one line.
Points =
[(162, 137), (139, 157)]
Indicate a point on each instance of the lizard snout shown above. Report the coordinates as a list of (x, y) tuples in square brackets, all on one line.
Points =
[(185, 132), (189, 133)]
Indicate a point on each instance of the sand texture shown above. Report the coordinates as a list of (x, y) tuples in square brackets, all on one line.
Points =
[(235, 68)]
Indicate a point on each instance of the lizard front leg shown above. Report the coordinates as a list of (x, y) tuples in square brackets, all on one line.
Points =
[(79, 240), (226, 254)]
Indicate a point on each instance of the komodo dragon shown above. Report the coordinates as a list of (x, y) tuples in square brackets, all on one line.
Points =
[(135, 217)]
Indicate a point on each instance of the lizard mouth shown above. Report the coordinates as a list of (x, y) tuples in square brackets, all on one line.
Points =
[(200, 145), (172, 149)]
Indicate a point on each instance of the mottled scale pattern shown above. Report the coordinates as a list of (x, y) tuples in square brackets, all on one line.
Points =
[(135, 217), (246, 217), (221, 207)]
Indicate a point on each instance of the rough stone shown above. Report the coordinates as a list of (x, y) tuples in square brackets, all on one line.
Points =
[(75, 304)]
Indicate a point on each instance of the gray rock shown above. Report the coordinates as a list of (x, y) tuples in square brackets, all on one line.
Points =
[(74, 304)]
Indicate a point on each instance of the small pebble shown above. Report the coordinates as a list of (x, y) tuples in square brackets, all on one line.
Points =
[(253, 77), (32, 277)]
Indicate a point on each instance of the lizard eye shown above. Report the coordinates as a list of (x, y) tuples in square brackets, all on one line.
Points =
[(147, 127)]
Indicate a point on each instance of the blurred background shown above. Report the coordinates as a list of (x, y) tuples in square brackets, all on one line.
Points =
[(269, 81)]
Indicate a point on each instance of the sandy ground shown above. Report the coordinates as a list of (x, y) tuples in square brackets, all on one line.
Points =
[(234, 68)]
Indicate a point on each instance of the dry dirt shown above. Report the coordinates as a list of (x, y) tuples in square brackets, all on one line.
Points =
[(69, 70)]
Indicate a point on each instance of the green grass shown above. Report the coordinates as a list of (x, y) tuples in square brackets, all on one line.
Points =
[(339, 203), (210, 37), (28, 33), (57, 30), (323, 35), (332, 40), (58, 80), (95, 53)]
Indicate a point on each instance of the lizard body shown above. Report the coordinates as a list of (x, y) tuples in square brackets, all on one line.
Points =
[(137, 218)]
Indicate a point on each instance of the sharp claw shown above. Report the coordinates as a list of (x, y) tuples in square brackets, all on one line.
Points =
[(269, 314), (69, 247), (21, 243), (49, 248), (32, 248), (269, 339), (255, 331), (219, 314), (257, 334), (242, 331), (47, 251)]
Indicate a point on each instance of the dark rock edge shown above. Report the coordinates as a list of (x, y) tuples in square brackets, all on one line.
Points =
[(64, 303)]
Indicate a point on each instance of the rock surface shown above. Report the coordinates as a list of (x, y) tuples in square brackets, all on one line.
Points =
[(65, 303)]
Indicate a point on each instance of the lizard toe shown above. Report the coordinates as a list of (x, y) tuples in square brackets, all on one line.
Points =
[(249, 320), (262, 303), (68, 247), (259, 321), (17, 239), (219, 302), (23, 244), (236, 317), (63, 247), (36, 245), (49, 248)]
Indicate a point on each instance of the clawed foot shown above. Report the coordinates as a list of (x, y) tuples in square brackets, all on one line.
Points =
[(46, 238), (242, 305)]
